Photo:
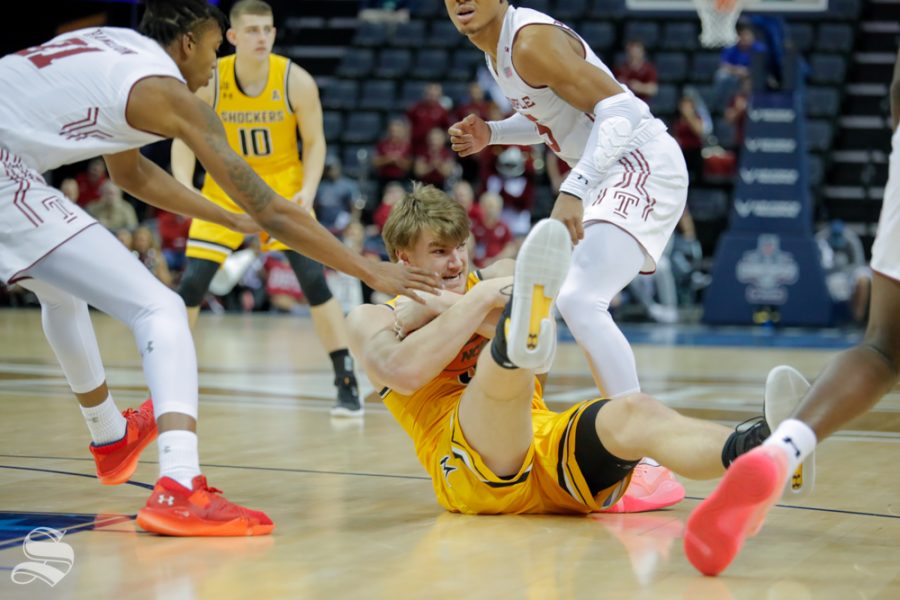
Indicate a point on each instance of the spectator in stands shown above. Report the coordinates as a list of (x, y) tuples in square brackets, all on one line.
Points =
[(509, 172), (111, 209), (463, 193), (637, 72), (393, 156), (735, 65), (146, 248), (393, 193), (336, 197), (493, 238), (436, 162), (90, 181), (124, 235), (173, 235), (688, 131), (477, 104), (427, 114), (847, 275), (736, 111), (69, 188)]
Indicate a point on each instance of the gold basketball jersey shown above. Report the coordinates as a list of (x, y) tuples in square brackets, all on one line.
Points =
[(261, 128), (425, 412)]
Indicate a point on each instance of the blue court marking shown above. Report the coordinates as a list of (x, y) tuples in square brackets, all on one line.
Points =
[(14, 526), (753, 337)]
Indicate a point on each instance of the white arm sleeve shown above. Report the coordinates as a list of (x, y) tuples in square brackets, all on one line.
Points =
[(516, 130), (615, 119)]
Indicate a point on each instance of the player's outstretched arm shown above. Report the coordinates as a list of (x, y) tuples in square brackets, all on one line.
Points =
[(408, 364), (144, 179), (166, 107)]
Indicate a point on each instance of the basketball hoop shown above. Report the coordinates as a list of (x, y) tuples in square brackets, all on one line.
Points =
[(718, 18)]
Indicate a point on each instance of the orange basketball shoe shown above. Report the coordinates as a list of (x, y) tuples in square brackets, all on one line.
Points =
[(173, 509), (736, 509), (117, 461), (652, 487)]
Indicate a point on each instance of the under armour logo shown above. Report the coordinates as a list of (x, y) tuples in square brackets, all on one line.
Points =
[(788, 440), (51, 559), (447, 467), (163, 499), (149, 347)]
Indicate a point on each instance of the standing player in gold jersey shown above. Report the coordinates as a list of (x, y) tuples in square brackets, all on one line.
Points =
[(477, 418), (262, 100)]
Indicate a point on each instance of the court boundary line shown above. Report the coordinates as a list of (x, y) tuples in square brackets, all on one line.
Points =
[(383, 475)]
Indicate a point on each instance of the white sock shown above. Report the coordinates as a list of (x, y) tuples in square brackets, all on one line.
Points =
[(178, 458), (105, 422), (797, 440)]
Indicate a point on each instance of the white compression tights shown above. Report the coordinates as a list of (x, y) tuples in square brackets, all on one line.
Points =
[(603, 263), (94, 268)]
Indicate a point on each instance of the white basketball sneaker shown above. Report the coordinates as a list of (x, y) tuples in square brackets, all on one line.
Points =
[(785, 388)]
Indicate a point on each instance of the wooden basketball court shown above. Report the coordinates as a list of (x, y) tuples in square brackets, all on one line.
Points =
[(356, 516)]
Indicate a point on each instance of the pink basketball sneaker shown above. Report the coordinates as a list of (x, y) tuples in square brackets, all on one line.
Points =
[(652, 487), (736, 509)]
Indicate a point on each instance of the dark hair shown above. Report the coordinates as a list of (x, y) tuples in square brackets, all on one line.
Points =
[(166, 20)]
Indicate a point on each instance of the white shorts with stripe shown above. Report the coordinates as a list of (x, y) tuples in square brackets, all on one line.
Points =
[(886, 250), (643, 194), (34, 217)]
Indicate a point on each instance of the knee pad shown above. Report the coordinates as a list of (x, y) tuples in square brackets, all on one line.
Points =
[(196, 279), (311, 276)]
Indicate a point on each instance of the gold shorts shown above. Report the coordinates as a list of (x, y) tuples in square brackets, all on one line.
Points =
[(549, 481), (211, 241)]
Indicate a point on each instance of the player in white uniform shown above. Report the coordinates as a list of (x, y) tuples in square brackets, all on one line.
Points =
[(850, 385), (621, 201), (107, 92)]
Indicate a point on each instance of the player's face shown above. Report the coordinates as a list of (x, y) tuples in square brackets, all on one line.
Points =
[(199, 66), (253, 35), (471, 16), (448, 259)]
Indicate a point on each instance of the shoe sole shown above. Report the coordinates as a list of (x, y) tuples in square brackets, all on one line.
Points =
[(541, 267), (785, 388), (717, 528), (156, 523), (126, 468)]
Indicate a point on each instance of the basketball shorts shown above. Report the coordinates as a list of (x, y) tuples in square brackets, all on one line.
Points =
[(211, 241), (644, 194), (35, 218), (549, 481), (886, 249)]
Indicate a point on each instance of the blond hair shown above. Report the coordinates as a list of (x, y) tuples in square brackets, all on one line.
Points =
[(425, 207), (249, 7)]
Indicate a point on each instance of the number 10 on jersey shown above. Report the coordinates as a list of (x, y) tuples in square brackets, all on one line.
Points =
[(255, 141)]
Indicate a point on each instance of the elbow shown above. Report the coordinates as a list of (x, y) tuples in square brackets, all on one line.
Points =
[(403, 380)]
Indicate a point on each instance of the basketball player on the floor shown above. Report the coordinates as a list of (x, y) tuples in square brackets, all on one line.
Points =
[(476, 414), (850, 385), (621, 201), (262, 98), (110, 91)]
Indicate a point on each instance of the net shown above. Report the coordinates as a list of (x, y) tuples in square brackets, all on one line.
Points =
[(718, 18)]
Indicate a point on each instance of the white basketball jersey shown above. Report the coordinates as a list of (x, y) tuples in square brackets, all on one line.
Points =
[(65, 100), (563, 127)]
